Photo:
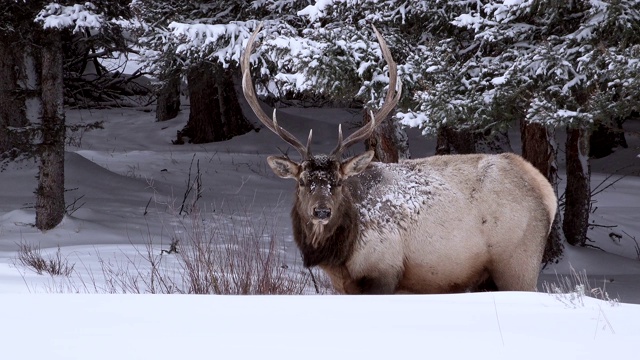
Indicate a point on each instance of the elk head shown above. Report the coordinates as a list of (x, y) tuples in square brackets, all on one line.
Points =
[(320, 177)]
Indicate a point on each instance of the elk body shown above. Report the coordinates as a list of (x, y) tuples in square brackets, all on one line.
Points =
[(441, 224)]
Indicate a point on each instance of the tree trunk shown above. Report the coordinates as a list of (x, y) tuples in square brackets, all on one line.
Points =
[(470, 141), (215, 111), (168, 104), (388, 141), (540, 149), (32, 84), (50, 193), (578, 193), (204, 124), (13, 142), (234, 122)]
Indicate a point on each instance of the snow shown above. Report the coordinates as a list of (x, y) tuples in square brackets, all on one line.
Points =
[(504, 326), (412, 119), (571, 83), (199, 36), (122, 63), (315, 12), (432, 68), (499, 80), (130, 167), (473, 21), (79, 16), (401, 200)]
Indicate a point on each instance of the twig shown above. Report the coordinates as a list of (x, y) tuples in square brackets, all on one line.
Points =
[(313, 279), (604, 317), (603, 226), (594, 246), (190, 186), (146, 208), (595, 190), (71, 208), (244, 181)]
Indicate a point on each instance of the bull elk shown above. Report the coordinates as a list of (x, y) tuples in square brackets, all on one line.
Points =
[(440, 224)]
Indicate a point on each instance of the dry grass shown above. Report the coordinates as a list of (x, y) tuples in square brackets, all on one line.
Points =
[(572, 289), (30, 256), (234, 255)]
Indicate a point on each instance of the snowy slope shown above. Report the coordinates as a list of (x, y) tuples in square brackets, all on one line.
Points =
[(130, 167)]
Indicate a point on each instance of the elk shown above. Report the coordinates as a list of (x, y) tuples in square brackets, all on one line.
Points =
[(440, 224)]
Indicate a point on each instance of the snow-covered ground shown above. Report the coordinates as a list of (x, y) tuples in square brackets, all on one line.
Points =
[(469, 326), (130, 181)]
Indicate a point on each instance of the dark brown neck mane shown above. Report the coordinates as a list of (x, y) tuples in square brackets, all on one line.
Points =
[(336, 240)]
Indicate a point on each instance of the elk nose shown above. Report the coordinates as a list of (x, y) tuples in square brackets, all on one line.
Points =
[(322, 213)]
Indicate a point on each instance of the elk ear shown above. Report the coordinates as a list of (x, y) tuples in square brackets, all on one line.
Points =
[(284, 167), (356, 164)]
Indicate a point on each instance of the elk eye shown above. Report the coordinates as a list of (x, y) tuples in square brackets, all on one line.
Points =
[(301, 183), (338, 183)]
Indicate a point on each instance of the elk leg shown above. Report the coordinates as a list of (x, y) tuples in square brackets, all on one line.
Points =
[(369, 285)]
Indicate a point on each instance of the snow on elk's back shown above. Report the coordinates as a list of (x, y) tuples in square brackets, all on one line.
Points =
[(395, 194)]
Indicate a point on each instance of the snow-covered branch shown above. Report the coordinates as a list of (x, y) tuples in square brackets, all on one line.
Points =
[(78, 16), (220, 42), (316, 11)]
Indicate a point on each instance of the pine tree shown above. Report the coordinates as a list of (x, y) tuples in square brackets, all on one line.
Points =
[(336, 54), (13, 116), (35, 36), (566, 64), (199, 41)]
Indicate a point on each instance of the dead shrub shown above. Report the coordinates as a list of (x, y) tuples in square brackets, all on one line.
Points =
[(233, 255), (30, 256), (237, 256)]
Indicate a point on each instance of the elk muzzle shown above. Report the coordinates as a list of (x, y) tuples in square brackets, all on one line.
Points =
[(322, 213)]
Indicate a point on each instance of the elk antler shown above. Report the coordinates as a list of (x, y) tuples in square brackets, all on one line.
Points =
[(250, 95), (390, 102)]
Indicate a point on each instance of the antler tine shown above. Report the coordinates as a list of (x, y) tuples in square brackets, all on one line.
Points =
[(390, 102), (286, 136), (309, 143), (250, 94), (393, 95)]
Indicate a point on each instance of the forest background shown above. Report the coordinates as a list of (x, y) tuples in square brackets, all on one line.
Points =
[(564, 75)]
